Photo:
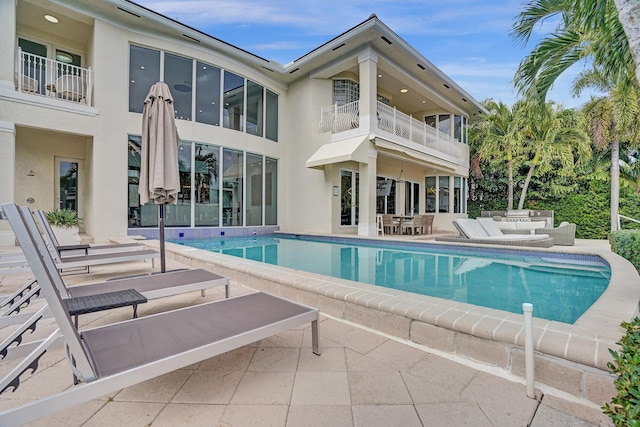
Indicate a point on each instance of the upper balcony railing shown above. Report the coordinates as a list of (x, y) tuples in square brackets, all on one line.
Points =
[(336, 119), (41, 76)]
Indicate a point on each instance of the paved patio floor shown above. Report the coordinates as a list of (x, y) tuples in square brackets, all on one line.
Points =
[(361, 379)]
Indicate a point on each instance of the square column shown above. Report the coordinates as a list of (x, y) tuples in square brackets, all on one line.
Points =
[(7, 44), (368, 194), (7, 176), (368, 69)]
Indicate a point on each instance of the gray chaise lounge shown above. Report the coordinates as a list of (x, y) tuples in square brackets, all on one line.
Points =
[(484, 232)]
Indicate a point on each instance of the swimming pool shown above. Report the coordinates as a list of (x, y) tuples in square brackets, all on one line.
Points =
[(560, 286)]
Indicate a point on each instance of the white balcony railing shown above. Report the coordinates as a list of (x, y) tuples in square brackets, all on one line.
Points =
[(41, 76), (336, 119)]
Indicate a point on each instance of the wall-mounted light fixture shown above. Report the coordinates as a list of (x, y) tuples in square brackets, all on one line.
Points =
[(30, 173), (402, 177), (336, 190)]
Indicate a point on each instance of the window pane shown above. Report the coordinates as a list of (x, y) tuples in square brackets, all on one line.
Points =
[(457, 194), (430, 194), (346, 198), (444, 124), (34, 66), (233, 113), (179, 215), (457, 128), (430, 120), (443, 194), (254, 174), (254, 108), (232, 185), (207, 94), (272, 116), (271, 192), (464, 130), (133, 179), (178, 75), (144, 71), (207, 185)]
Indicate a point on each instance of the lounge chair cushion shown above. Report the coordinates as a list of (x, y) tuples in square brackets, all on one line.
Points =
[(490, 227), (470, 228)]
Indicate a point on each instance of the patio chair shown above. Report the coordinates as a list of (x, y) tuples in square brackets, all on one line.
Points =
[(389, 224), (109, 358), (485, 232), (50, 237), (88, 260), (564, 234)]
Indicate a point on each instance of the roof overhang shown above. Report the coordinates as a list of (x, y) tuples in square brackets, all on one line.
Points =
[(348, 150), (436, 162)]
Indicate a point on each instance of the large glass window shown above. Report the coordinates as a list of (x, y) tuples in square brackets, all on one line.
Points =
[(207, 185), (233, 108), (272, 116), (178, 72), (255, 101), (443, 194), (207, 94), (345, 91), (457, 128), (444, 124), (144, 71), (232, 187), (255, 193), (271, 192), (179, 215), (457, 194), (430, 194)]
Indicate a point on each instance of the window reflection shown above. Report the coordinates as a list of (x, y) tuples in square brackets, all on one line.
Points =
[(144, 71), (178, 76), (255, 193), (207, 185), (207, 94), (179, 215), (232, 188), (271, 192), (233, 108), (255, 100)]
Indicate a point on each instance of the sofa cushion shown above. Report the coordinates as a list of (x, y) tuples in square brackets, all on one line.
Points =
[(490, 226)]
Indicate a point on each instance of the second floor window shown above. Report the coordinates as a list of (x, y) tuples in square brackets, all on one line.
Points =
[(345, 91)]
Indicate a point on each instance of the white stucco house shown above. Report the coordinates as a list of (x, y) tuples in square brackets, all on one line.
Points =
[(361, 125)]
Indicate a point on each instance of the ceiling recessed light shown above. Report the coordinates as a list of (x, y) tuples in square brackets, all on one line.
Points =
[(404, 90), (424, 102), (379, 75), (51, 19)]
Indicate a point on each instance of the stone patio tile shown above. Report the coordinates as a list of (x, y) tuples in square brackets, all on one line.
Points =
[(291, 338), (234, 360), (264, 388), (384, 387), (75, 417), (386, 415), (209, 387), (189, 415), (360, 341), (397, 356), (454, 414), (504, 403), (435, 380), (592, 415), (321, 388), (319, 416), (126, 414), (159, 389), (253, 416), (549, 417), (331, 360), (275, 359)]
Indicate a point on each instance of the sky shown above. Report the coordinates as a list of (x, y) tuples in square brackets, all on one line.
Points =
[(469, 40)]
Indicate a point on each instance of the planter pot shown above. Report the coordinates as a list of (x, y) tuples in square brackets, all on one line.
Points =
[(66, 235)]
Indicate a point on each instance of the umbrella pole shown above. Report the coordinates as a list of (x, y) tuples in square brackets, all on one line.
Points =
[(161, 227)]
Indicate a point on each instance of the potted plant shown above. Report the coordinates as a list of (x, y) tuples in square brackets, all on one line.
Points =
[(65, 224)]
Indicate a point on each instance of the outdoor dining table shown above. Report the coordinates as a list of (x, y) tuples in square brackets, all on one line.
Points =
[(401, 219)]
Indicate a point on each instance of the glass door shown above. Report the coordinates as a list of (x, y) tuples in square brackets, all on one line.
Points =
[(411, 198), (349, 213), (68, 186)]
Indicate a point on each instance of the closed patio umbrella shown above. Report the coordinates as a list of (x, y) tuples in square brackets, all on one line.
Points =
[(159, 176)]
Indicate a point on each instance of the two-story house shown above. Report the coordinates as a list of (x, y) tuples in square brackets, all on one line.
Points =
[(359, 126)]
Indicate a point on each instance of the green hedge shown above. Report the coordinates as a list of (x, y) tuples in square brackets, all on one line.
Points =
[(626, 243), (624, 408)]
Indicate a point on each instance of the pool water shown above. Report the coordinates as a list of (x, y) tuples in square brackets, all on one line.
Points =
[(561, 287)]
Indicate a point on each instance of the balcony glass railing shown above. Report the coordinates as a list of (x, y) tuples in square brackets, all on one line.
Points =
[(41, 76), (336, 119)]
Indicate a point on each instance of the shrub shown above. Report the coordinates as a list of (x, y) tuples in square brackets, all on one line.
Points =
[(626, 243), (624, 408), (65, 218)]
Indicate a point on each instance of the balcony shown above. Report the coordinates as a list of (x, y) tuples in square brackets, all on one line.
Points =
[(49, 78), (393, 125)]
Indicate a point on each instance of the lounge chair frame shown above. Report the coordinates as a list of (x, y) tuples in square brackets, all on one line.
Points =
[(109, 358)]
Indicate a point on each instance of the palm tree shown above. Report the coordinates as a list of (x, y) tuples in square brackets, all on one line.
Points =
[(588, 29), (500, 139), (555, 139), (629, 16), (611, 119)]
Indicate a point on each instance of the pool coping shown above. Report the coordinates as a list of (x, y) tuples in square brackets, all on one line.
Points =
[(570, 358)]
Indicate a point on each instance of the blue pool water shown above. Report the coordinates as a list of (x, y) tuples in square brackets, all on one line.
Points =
[(561, 287)]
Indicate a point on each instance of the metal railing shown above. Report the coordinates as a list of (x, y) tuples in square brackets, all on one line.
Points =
[(336, 119), (46, 77), (627, 218)]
